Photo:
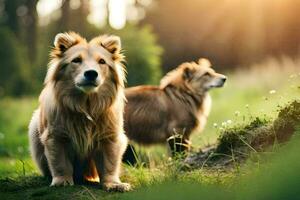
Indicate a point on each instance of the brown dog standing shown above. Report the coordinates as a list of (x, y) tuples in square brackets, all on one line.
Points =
[(77, 131), (172, 111)]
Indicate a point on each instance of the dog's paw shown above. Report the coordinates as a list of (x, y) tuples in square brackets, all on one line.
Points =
[(116, 187), (62, 181)]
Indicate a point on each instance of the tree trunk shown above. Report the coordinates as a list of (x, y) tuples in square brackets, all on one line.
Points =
[(12, 20), (64, 22), (31, 29)]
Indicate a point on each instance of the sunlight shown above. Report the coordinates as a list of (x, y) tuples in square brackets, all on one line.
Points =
[(98, 14), (117, 13), (46, 7)]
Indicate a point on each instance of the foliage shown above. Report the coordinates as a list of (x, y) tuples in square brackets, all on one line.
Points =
[(238, 143), (14, 120), (288, 118), (216, 29), (14, 74), (266, 183), (234, 138), (142, 55)]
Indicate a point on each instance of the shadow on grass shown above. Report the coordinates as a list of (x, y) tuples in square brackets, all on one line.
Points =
[(37, 187)]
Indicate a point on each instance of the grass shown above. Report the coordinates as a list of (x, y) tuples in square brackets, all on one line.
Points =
[(239, 143), (278, 178), (14, 119), (259, 91)]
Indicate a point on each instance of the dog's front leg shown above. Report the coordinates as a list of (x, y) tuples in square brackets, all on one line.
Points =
[(109, 164), (58, 156)]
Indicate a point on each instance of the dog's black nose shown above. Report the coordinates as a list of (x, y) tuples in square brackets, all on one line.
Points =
[(224, 79), (90, 75)]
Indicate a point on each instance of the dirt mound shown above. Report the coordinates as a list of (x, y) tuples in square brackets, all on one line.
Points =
[(238, 143)]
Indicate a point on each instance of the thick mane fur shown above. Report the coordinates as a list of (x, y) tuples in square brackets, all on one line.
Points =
[(175, 77), (76, 134), (74, 112), (177, 88), (170, 112)]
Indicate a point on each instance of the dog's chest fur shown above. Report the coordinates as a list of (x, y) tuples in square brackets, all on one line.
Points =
[(89, 133), (203, 112)]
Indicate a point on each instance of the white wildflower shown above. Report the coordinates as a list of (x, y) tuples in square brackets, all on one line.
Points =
[(215, 125), (272, 91), (229, 121)]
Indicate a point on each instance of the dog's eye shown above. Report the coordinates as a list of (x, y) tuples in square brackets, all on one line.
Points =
[(77, 60), (206, 74), (101, 61)]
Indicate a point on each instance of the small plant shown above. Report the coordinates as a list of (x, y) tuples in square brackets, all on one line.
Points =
[(238, 143)]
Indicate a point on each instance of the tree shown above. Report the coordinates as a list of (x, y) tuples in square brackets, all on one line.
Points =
[(230, 33), (11, 19), (14, 76), (143, 55), (31, 29)]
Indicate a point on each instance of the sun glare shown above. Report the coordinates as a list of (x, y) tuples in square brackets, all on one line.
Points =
[(46, 7), (117, 13), (98, 14)]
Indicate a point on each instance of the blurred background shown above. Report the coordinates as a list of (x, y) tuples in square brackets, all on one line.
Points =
[(255, 43), (157, 35)]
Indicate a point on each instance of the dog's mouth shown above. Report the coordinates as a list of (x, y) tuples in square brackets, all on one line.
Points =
[(221, 84), (87, 86), (217, 84)]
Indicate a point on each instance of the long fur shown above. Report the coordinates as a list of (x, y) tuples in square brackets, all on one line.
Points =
[(172, 111), (87, 129)]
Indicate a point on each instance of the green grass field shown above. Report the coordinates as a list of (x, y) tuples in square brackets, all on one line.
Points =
[(258, 91)]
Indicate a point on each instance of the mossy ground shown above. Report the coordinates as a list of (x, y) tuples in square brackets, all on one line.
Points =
[(237, 144)]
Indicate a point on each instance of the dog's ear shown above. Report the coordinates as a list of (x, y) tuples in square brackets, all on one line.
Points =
[(64, 41), (204, 62), (187, 73), (111, 43)]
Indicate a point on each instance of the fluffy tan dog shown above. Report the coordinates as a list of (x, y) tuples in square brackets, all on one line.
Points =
[(172, 111), (77, 131)]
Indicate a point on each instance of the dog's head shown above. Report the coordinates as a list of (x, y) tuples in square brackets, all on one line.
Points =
[(82, 65), (198, 77)]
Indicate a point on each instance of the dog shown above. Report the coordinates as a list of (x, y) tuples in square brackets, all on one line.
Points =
[(169, 113), (77, 134)]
